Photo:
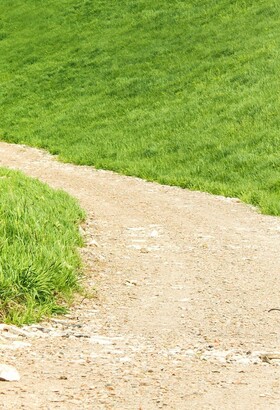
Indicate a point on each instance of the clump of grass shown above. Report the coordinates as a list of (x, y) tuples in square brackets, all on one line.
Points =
[(181, 92), (39, 261)]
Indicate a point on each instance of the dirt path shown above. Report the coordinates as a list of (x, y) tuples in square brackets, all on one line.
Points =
[(184, 280)]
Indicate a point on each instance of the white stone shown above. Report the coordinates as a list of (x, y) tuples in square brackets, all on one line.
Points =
[(154, 234), (17, 344), (9, 373), (125, 359), (101, 340), (93, 242)]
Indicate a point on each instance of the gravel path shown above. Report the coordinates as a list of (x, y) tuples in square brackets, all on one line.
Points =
[(184, 283)]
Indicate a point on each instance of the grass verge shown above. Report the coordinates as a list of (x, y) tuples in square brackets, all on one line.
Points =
[(182, 92), (39, 261)]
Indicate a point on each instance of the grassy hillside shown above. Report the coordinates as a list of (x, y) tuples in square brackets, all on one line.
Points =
[(38, 240), (182, 92)]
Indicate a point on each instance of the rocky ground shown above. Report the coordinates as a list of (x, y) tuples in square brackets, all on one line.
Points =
[(184, 284)]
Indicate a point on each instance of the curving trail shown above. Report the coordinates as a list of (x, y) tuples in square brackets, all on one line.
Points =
[(184, 282)]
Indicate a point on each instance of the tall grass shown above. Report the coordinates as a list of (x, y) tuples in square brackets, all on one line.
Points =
[(39, 263), (182, 92)]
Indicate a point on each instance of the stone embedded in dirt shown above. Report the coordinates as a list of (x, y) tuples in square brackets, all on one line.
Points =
[(93, 242), (9, 373), (16, 344), (136, 229), (135, 246), (154, 234), (82, 231), (10, 331), (102, 340), (125, 359), (130, 283), (63, 377)]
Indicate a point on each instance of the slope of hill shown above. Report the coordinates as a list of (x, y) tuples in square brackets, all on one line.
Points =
[(184, 93)]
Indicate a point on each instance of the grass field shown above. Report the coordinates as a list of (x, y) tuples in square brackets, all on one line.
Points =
[(183, 92), (39, 263)]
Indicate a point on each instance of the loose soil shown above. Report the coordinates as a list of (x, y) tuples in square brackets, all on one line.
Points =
[(183, 285)]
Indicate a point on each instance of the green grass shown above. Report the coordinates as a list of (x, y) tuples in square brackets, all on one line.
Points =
[(39, 262), (182, 92)]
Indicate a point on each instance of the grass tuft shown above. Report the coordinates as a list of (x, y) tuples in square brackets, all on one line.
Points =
[(39, 261)]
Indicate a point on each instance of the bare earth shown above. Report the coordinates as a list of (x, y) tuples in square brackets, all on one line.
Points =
[(184, 284)]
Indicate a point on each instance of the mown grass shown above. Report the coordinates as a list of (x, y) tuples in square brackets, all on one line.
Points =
[(182, 92), (39, 262)]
